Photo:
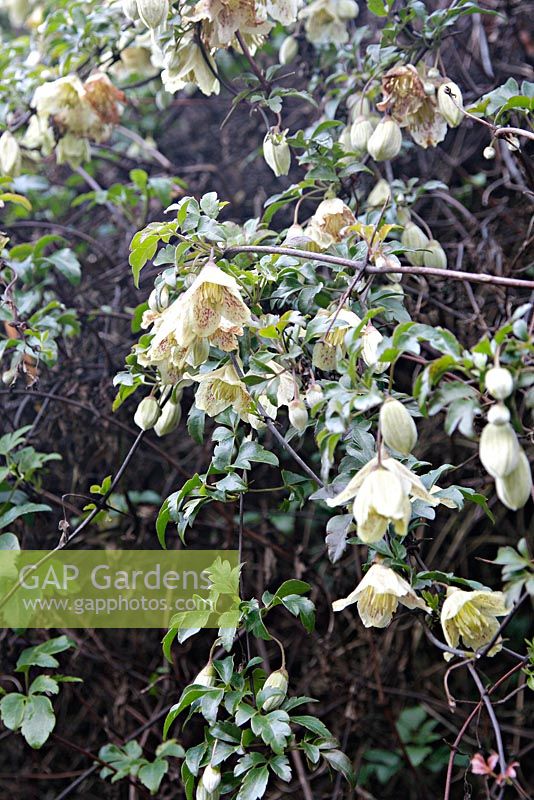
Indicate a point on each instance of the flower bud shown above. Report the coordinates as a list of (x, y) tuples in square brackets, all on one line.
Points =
[(360, 131), (498, 414), (379, 194), (397, 427), (158, 298), (314, 395), (207, 676), (499, 383), (130, 10), (10, 157), (347, 9), (371, 338), (499, 449), (515, 489), (513, 143), (358, 106), (202, 793), (450, 103), (211, 778), (147, 413), (386, 141), (276, 151), (434, 255), (489, 152), (171, 415), (298, 415), (288, 50), (414, 239), (276, 680), (152, 12), (390, 261)]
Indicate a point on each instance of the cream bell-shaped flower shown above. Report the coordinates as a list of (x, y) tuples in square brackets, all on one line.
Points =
[(325, 21), (214, 295), (472, 617), (329, 224), (385, 498), (378, 595), (332, 347), (381, 500), (221, 19), (371, 338), (220, 389), (186, 64)]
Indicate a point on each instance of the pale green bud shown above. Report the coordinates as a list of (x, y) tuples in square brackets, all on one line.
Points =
[(414, 239), (499, 383), (314, 395), (288, 50), (10, 155), (147, 413), (347, 9), (450, 103), (171, 415), (207, 676), (211, 778), (380, 194), (158, 298), (515, 489), (489, 153), (276, 680), (130, 10), (434, 255), (298, 415), (276, 151), (152, 12), (391, 262), (386, 141), (360, 131), (499, 449), (397, 426), (513, 143)]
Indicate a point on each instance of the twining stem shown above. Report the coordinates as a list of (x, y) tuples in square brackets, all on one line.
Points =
[(451, 274), (276, 433), (491, 713)]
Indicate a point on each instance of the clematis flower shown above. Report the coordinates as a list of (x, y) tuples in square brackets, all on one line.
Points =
[(381, 494), (371, 338), (65, 100), (328, 352), (222, 19), (378, 595), (104, 97), (472, 617), (325, 21), (212, 296), (220, 389), (329, 224), (186, 64)]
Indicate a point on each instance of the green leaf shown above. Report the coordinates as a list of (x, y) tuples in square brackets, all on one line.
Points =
[(314, 725), (151, 775), (273, 728), (280, 767), (42, 655), (340, 763), (8, 541), (254, 784), (12, 710), (66, 262), (378, 7), (44, 684), (20, 511), (39, 720)]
